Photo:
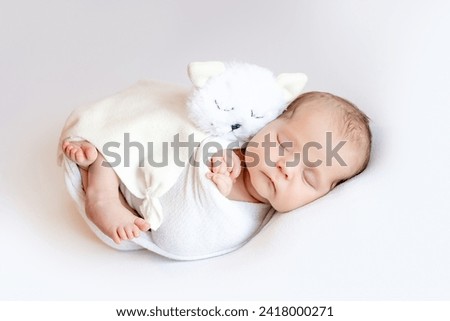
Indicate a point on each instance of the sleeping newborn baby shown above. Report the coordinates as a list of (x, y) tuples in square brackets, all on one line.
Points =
[(320, 141)]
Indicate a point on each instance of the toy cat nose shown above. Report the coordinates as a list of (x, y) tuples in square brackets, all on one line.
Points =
[(235, 126)]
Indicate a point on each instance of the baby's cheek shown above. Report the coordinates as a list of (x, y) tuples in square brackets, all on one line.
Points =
[(292, 199)]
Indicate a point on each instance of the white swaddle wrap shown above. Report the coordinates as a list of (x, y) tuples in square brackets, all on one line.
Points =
[(198, 221), (149, 112)]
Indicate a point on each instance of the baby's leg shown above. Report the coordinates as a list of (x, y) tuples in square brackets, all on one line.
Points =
[(105, 205)]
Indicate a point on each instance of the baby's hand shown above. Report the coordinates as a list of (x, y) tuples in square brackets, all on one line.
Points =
[(225, 167), (223, 182), (222, 163)]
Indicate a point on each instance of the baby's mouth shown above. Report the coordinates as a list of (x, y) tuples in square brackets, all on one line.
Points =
[(271, 181)]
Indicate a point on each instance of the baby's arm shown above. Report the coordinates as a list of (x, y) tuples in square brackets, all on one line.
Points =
[(225, 168)]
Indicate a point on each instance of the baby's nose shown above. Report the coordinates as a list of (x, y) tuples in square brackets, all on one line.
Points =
[(285, 169), (235, 126)]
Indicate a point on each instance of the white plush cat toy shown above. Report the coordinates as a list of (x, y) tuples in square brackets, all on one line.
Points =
[(236, 100)]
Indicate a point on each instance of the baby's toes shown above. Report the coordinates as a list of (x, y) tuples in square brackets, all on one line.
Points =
[(142, 224), (91, 153), (65, 146), (115, 237), (79, 156), (122, 234), (72, 152), (129, 232), (136, 231)]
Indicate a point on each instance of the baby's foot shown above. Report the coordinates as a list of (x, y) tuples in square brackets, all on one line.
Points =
[(82, 152), (114, 219)]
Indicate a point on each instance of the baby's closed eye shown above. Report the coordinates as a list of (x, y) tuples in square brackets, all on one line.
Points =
[(284, 143)]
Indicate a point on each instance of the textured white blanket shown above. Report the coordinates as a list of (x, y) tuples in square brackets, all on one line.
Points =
[(148, 112), (199, 221), (207, 234)]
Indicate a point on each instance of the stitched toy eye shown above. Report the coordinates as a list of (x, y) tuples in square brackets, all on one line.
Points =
[(217, 104), (254, 116)]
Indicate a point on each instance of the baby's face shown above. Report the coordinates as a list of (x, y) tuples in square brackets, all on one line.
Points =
[(292, 162)]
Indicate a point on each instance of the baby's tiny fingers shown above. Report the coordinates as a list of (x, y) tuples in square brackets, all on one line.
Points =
[(223, 183), (223, 169), (216, 162)]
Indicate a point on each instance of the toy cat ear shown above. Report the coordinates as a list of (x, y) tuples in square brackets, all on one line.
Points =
[(292, 84), (200, 72)]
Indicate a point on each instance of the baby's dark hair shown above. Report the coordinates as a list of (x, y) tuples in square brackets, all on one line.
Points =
[(354, 122)]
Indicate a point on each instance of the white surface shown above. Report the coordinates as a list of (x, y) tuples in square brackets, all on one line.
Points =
[(384, 235)]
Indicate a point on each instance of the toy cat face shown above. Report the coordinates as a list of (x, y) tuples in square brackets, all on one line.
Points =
[(237, 102)]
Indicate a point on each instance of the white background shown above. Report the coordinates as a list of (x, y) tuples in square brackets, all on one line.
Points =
[(383, 235)]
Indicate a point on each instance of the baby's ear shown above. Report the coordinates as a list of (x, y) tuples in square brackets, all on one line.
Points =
[(200, 72), (292, 84)]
